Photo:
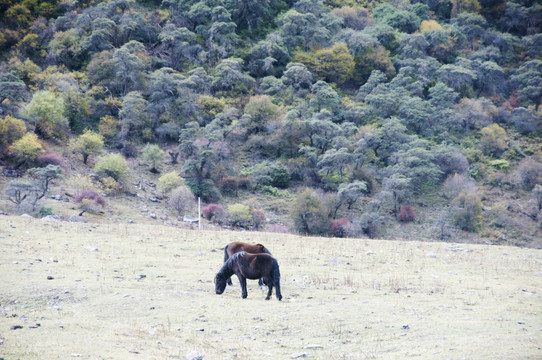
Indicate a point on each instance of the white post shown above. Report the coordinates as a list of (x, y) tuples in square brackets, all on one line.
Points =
[(199, 213)]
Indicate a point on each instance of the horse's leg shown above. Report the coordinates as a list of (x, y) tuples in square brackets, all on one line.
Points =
[(229, 281), (243, 282), (269, 282)]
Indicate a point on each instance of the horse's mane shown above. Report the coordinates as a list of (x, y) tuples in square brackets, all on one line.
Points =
[(227, 267)]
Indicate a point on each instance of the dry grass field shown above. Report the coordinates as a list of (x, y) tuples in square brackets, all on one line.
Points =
[(90, 291)]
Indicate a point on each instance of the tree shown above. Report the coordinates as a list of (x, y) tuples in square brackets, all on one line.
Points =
[(221, 37), (154, 155), (537, 195), (179, 47), (350, 193), (309, 213), (89, 143), (43, 178), (169, 181), (133, 115), (467, 210), (129, 65), (12, 91), (528, 82), (46, 112), (228, 76), (181, 199), (334, 64), (26, 149), (400, 188), (112, 165), (494, 139), (11, 129)]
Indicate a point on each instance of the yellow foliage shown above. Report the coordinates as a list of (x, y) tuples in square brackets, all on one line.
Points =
[(430, 25), (27, 148), (11, 129)]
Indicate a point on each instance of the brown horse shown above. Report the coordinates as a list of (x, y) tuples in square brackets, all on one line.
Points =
[(237, 246), (250, 266)]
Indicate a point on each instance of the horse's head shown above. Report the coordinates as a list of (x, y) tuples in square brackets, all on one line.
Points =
[(220, 283)]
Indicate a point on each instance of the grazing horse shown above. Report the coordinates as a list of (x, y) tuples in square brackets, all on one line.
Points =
[(250, 266), (237, 246)]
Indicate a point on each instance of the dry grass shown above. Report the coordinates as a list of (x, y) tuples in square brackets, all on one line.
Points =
[(356, 299)]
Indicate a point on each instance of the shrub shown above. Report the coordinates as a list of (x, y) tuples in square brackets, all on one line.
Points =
[(109, 127), (258, 218), (213, 212), (457, 183), (337, 228), (129, 150), (279, 228), (530, 172), (89, 194), (49, 159), (112, 165), (169, 181), (239, 215), (309, 213), (494, 139), (88, 143), (152, 154), (44, 211), (467, 211), (273, 174), (229, 185), (27, 148), (406, 213), (11, 129), (181, 200)]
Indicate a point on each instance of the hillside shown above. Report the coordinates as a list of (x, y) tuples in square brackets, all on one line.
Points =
[(347, 118)]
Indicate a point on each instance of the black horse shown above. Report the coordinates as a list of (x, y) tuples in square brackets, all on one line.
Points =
[(250, 266), (236, 246)]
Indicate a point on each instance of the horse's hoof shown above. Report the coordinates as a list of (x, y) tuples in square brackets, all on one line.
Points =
[(280, 298), (267, 298)]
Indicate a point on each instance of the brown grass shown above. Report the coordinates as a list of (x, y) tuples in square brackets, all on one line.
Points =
[(357, 299)]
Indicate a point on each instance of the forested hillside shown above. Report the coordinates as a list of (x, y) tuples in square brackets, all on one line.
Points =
[(399, 119)]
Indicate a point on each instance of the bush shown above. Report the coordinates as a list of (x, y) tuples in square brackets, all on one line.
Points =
[(239, 215), (258, 218), (27, 148), (270, 174), (11, 129), (337, 228), (112, 165), (152, 154), (530, 172), (49, 159), (44, 211), (457, 183), (169, 181), (181, 200), (406, 213), (87, 144), (89, 194), (494, 140), (309, 213), (213, 212), (279, 228), (467, 211), (229, 185)]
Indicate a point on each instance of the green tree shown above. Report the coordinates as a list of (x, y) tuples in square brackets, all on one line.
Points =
[(528, 82), (133, 115), (43, 177), (169, 181), (152, 154), (112, 165), (46, 112), (12, 91), (87, 144)]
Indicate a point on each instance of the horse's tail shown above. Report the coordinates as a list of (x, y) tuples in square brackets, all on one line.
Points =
[(265, 250), (276, 278), (226, 253)]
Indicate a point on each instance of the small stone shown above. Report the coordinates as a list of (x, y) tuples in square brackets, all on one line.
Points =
[(299, 355), (50, 277), (16, 327), (370, 252), (194, 355), (314, 346)]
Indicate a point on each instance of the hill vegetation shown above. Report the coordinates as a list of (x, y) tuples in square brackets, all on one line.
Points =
[(403, 119)]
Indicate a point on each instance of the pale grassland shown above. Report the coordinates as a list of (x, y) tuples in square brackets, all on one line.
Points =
[(355, 299)]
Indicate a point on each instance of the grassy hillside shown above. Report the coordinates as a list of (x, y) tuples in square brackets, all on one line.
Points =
[(134, 291), (404, 119)]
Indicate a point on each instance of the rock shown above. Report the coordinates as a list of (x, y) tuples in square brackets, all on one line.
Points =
[(194, 355), (336, 261), (152, 199), (300, 355), (50, 218), (190, 219), (153, 216), (370, 252), (27, 216), (314, 346), (431, 255), (57, 197), (75, 218), (91, 249)]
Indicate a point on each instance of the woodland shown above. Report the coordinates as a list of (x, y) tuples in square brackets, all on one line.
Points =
[(414, 119)]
